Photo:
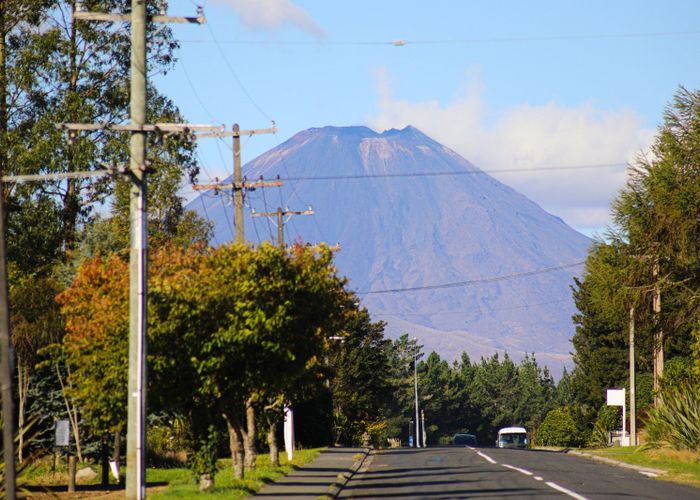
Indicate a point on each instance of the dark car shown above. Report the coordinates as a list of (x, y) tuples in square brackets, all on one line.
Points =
[(464, 439)]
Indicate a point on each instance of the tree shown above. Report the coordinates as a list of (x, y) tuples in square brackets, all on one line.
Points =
[(600, 341), (96, 342), (360, 381), (559, 429), (437, 394), (36, 323), (657, 225), (402, 353), (493, 391), (535, 389)]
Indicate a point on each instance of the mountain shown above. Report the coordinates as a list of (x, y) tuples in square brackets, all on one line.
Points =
[(487, 270)]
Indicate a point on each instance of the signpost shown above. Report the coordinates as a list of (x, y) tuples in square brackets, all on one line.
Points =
[(616, 397), (62, 433), (289, 432)]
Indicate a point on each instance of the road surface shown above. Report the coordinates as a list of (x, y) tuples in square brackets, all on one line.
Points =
[(461, 472)]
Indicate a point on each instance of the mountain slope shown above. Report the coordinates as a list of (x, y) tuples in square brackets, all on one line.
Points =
[(403, 223)]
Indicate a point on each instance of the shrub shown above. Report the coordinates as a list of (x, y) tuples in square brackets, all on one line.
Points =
[(558, 429), (168, 441), (677, 421)]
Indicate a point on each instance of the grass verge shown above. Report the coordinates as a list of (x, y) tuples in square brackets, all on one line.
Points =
[(165, 483), (181, 483), (680, 466)]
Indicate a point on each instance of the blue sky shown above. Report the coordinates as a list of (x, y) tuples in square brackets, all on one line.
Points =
[(508, 85)]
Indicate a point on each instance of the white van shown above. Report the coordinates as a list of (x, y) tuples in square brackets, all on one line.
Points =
[(512, 437)]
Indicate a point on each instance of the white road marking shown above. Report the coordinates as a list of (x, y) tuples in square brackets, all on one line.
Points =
[(522, 471), (648, 474), (570, 493), (552, 485), (486, 457)]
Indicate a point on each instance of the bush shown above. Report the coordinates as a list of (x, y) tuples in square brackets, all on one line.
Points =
[(558, 429), (444, 440), (677, 421), (168, 441)]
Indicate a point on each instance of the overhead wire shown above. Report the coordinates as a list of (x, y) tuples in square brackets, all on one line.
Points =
[(295, 193), (455, 41), (206, 214), (194, 91), (269, 226), (450, 313), (448, 173), (235, 75), (477, 281), (255, 225)]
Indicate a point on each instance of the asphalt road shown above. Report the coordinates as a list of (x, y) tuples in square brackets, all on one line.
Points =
[(461, 472)]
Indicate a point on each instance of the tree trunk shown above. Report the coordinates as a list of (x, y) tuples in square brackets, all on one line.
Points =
[(206, 482), (116, 453), (72, 415), (105, 460), (234, 442), (251, 453), (23, 390), (272, 442)]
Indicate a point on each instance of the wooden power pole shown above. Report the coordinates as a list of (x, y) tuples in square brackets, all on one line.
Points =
[(280, 215), (138, 254), (633, 398), (658, 338), (8, 424), (238, 185)]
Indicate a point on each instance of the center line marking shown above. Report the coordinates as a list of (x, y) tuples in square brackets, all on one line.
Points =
[(522, 471), (486, 457), (565, 491)]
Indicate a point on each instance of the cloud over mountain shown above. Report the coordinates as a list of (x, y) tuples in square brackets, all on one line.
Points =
[(526, 136)]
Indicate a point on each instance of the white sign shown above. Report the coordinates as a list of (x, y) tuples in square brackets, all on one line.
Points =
[(289, 432), (616, 397), (62, 433)]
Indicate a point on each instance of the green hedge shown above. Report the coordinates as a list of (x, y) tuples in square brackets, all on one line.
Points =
[(558, 429)]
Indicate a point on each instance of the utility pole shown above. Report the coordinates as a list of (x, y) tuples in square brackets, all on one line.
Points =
[(658, 337), (633, 399), (237, 191), (238, 185), (415, 387), (280, 215), (288, 411), (8, 424), (138, 253)]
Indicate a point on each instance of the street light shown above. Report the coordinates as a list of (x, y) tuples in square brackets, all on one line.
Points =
[(415, 386)]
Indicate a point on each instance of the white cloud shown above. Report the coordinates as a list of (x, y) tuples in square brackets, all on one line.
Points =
[(527, 136), (274, 14)]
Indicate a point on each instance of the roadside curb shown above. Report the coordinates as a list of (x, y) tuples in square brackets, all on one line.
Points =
[(647, 471), (343, 478)]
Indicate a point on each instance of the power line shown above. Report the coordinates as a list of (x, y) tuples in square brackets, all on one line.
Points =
[(206, 214), (478, 281), (235, 76), (450, 313), (269, 226), (194, 91), (456, 41), (452, 172)]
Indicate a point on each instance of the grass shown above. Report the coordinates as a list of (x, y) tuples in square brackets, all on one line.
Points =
[(170, 483), (680, 466), (181, 483)]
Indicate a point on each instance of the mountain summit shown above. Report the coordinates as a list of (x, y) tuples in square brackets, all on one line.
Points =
[(433, 245)]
